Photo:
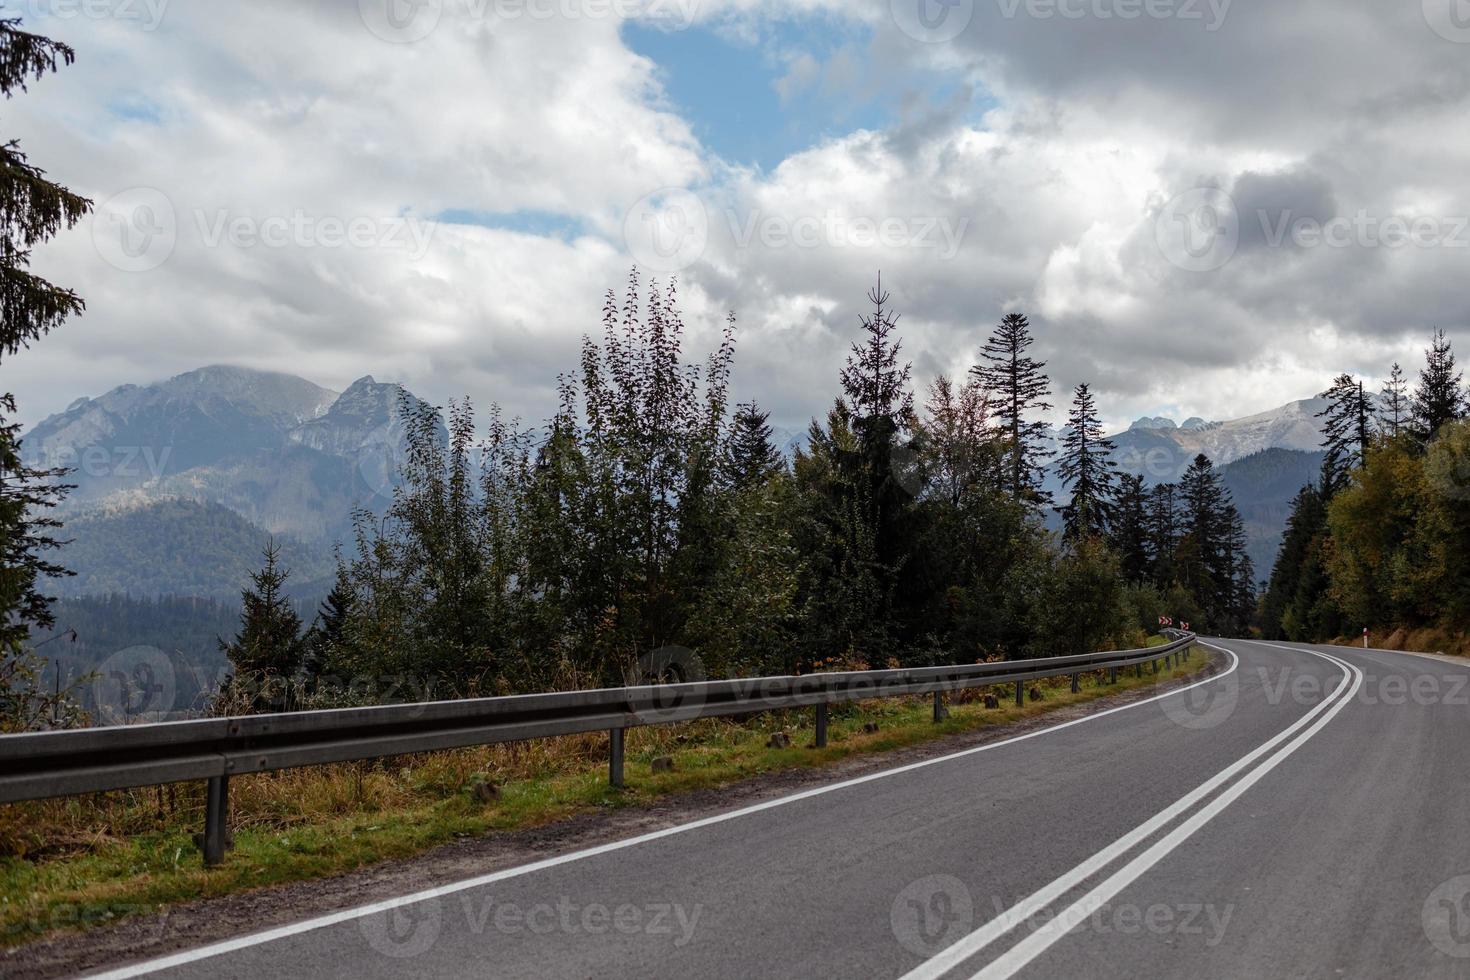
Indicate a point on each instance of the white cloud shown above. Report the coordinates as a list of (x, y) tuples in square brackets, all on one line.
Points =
[(280, 114)]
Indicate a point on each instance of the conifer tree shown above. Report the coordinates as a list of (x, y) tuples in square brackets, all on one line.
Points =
[(1163, 533), (1204, 565), (1130, 533), (1440, 395), (1017, 388), (751, 458), (269, 644), (1087, 470), (33, 210), (1393, 403), (1347, 427), (329, 632)]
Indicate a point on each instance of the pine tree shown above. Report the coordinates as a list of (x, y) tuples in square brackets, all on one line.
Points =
[(869, 499), (1017, 388), (1205, 564), (1163, 533), (875, 384), (1237, 595), (1393, 403), (1347, 428), (269, 645), (34, 210), (1298, 583), (328, 633), (751, 459), (1130, 534), (1087, 470), (1440, 395)]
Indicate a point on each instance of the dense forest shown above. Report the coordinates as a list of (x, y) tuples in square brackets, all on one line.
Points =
[(96, 638), (177, 547), (649, 513), (1381, 539)]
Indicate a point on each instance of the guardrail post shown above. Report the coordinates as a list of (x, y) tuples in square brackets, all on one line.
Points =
[(938, 707), (821, 739), (1112, 675), (615, 757), (1076, 684), (217, 802), (1020, 694)]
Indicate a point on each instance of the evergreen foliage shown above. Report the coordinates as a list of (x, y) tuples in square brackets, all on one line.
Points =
[(1087, 470), (1017, 387)]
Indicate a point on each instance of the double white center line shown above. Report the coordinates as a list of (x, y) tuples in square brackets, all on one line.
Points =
[(1078, 911)]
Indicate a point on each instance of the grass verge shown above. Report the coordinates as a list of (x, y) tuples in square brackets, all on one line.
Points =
[(82, 862)]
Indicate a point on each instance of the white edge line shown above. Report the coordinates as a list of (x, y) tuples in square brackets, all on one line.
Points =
[(1018, 956), (966, 947), (321, 922)]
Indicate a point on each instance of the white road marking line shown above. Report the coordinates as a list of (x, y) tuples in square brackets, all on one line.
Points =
[(321, 922), (1023, 910), (1018, 956)]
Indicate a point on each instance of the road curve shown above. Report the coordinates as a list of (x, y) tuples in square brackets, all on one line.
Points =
[(1299, 814)]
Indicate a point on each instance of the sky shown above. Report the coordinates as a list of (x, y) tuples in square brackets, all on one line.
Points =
[(1206, 208)]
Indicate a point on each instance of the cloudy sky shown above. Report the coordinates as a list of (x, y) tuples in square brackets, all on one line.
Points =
[(1206, 207)]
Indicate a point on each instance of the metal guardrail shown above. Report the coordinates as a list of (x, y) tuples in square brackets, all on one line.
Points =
[(42, 765)]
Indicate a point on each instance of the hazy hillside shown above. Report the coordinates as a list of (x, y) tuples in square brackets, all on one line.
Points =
[(1263, 485), (288, 455), (182, 548), (174, 640)]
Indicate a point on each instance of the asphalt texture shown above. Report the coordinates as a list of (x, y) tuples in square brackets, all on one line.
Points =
[(1302, 814)]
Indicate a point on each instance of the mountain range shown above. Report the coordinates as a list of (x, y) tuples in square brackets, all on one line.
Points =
[(181, 482)]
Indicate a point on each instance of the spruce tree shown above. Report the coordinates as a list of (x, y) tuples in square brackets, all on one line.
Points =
[(1440, 395), (1087, 470), (1130, 533), (875, 384), (1347, 427), (269, 645), (880, 409), (33, 210), (751, 459), (1205, 565), (1393, 403), (1163, 533), (328, 633), (1017, 388)]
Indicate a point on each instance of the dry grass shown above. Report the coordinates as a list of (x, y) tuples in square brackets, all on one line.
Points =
[(75, 862), (1424, 639)]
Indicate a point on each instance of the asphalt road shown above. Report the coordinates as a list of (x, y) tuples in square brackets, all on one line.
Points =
[(1301, 815)]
